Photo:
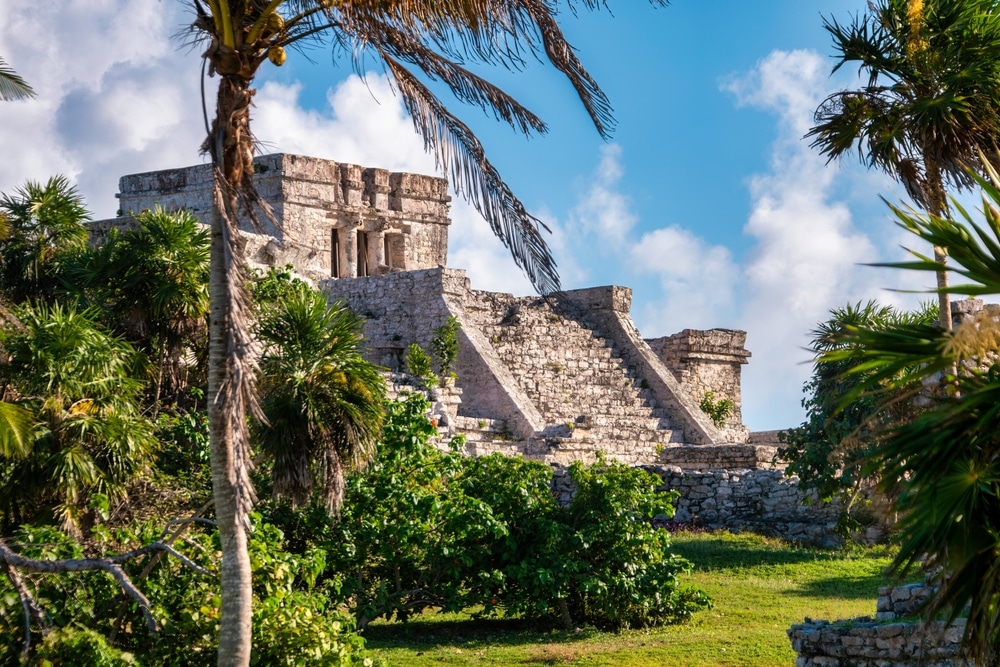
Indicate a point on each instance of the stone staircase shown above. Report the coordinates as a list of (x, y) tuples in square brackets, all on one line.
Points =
[(589, 398)]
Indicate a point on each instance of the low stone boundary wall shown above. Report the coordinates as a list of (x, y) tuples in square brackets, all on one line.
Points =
[(880, 642), (759, 501), (864, 642), (721, 457)]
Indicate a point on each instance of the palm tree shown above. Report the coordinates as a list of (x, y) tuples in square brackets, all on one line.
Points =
[(830, 449), (930, 102), (433, 36), (43, 222), (86, 434), (12, 86), (153, 280), (323, 403), (945, 460)]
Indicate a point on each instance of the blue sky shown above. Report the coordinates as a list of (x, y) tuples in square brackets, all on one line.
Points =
[(706, 201)]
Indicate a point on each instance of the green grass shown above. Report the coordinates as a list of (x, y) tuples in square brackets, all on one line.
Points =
[(760, 587)]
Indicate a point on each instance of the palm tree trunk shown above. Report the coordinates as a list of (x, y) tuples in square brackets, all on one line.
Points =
[(237, 611), (231, 369), (938, 206)]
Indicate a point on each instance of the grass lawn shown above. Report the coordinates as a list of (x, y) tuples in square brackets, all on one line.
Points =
[(760, 587)]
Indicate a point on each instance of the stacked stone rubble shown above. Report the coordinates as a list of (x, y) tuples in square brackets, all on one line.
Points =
[(896, 637)]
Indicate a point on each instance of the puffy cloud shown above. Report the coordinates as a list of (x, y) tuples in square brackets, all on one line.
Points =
[(364, 123), (697, 280), (115, 94), (602, 211), (807, 250)]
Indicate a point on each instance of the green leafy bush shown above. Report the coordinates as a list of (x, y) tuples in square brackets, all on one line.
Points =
[(294, 620), (418, 364), (719, 411), (444, 345), (423, 528)]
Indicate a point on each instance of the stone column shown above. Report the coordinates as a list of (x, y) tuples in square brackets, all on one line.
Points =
[(349, 269), (376, 252)]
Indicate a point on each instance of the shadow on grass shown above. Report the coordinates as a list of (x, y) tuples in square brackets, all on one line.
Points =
[(737, 551), (847, 588), (454, 630), (728, 551)]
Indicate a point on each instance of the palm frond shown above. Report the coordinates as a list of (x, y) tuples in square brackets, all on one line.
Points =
[(12, 86), (459, 153)]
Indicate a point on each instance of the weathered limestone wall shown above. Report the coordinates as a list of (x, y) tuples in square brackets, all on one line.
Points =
[(406, 307), (759, 501), (709, 361), (879, 642), (712, 457), (556, 381), (332, 218), (755, 500)]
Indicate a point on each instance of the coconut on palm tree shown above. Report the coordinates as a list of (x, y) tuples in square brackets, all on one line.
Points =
[(416, 41), (929, 100)]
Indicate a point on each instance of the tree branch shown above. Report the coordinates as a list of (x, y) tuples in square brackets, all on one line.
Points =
[(30, 608), (11, 559)]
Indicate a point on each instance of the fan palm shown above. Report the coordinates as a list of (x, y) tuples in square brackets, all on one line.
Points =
[(12, 86), (42, 223), (829, 449), (86, 435), (930, 101), (323, 403), (432, 36), (154, 281), (947, 459)]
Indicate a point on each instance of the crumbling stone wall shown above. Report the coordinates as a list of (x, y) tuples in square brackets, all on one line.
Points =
[(864, 642), (759, 501), (895, 637), (755, 500), (709, 361), (333, 219)]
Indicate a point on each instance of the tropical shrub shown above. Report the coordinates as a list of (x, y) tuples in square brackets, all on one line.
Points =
[(419, 365), (88, 434), (444, 345), (293, 618), (830, 449), (717, 410), (41, 224), (322, 401), (424, 527), (944, 460)]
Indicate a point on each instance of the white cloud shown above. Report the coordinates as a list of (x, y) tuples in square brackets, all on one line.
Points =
[(697, 280), (807, 249), (115, 95), (602, 211), (363, 124)]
